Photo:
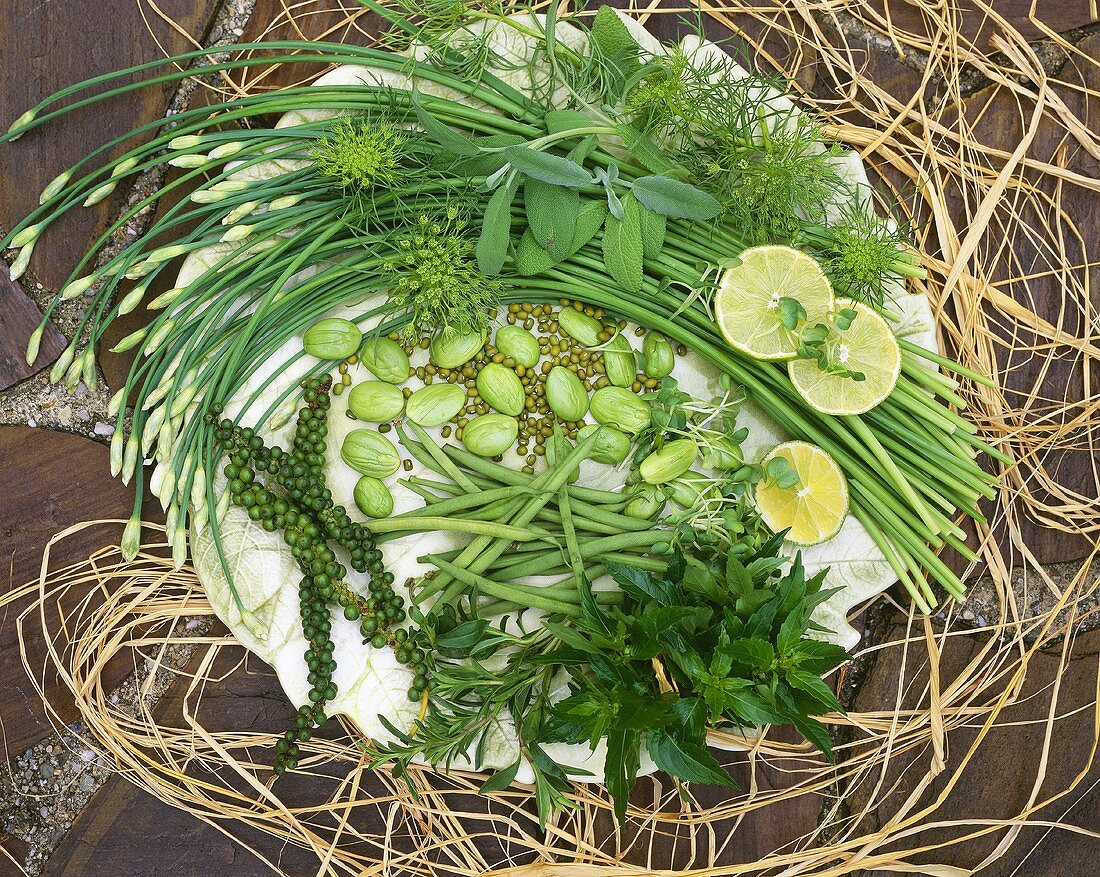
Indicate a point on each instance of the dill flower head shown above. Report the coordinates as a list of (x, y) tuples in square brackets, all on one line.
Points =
[(862, 253), (436, 275), (361, 154)]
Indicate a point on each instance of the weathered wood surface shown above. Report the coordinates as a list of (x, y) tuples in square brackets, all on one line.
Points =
[(50, 481), (19, 317)]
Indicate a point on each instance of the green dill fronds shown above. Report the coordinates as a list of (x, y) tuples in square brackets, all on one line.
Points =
[(860, 252), (436, 277), (362, 154)]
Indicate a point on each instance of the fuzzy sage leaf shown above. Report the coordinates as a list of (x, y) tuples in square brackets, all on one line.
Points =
[(553, 169), (670, 197), (496, 228)]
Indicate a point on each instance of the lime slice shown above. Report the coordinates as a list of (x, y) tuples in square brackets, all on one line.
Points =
[(747, 308), (812, 510), (867, 346)]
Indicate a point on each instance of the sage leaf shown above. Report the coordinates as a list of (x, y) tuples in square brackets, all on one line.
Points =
[(549, 168), (449, 139), (557, 121), (622, 247), (484, 164), (531, 258), (496, 228), (552, 215), (670, 197), (589, 219), (644, 150), (653, 232)]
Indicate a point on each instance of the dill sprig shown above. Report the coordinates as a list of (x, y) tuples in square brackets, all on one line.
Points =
[(361, 154)]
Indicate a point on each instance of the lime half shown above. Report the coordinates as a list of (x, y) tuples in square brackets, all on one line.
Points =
[(747, 305), (812, 510), (868, 346)]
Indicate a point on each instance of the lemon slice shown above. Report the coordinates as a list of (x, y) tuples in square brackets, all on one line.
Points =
[(812, 510), (746, 305), (868, 346)]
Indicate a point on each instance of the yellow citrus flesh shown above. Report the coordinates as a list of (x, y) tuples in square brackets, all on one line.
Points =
[(813, 510), (868, 346), (746, 304)]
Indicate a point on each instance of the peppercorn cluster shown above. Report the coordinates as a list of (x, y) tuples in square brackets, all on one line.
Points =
[(296, 501)]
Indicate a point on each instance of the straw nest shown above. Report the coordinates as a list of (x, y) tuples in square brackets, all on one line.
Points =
[(997, 207)]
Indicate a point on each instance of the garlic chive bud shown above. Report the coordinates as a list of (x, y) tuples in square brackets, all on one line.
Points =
[(230, 186), (237, 233), (78, 287), (74, 372), (130, 459), (124, 167), (22, 122), (117, 443), (185, 141), (198, 488), (115, 405), (165, 254), (89, 375), (130, 341), (131, 539), (170, 518), (225, 150), (56, 185), (200, 515), (183, 398), (34, 343), (282, 417), (222, 508), (22, 260), (132, 299), (162, 482), (99, 193), (151, 429), (166, 439), (252, 623), (159, 392), (206, 196), (239, 212), (62, 364), (138, 270), (285, 201), (188, 160), (179, 547), (158, 337), (166, 298), (26, 236)]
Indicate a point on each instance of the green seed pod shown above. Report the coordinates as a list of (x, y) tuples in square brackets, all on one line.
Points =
[(369, 452), (611, 446), (723, 453), (580, 327), (622, 409), (565, 394), (332, 338), (435, 404), (373, 498), (490, 434), (671, 461), (451, 348), (386, 360), (618, 361), (646, 504), (659, 356), (519, 344), (689, 489), (376, 401), (501, 388)]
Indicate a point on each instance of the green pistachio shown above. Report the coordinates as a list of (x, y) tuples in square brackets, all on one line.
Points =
[(332, 339), (620, 408), (611, 447), (501, 388), (645, 504), (376, 401), (435, 404), (517, 343), (386, 360), (490, 434), (618, 361), (565, 394), (671, 461), (659, 356), (451, 348), (580, 327), (369, 452), (373, 498)]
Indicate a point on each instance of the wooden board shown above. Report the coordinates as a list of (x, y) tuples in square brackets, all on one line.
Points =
[(1032, 19), (19, 317), (48, 46), (51, 480)]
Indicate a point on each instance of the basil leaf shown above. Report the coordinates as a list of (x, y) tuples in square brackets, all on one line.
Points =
[(496, 229), (686, 759), (449, 139), (756, 654), (549, 168), (670, 197), (622, 247), (813, 685), (500, 780), (552, 215)]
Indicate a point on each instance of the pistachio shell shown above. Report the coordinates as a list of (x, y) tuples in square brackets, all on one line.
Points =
[(451, 348), (518, 344), (332, 338), (501, 388), (618, 361), (372, 497), (671, 461), (611, 447), (435, 404), (579, 326), (369, 452), (565, 394), (490, 434), (659, 357), (386, 360), (375, 401), (620, 408)]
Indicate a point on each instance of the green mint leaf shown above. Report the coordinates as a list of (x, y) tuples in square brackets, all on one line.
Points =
[(686, 759), (812, 684), (622, 247), (560, 121), (817, 656), (639, 584), (553, 169), (496, 229), (500, 780), (653, 232), (448, 138), (621, 766), (755, 654), (670, 197), (552, 214)]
